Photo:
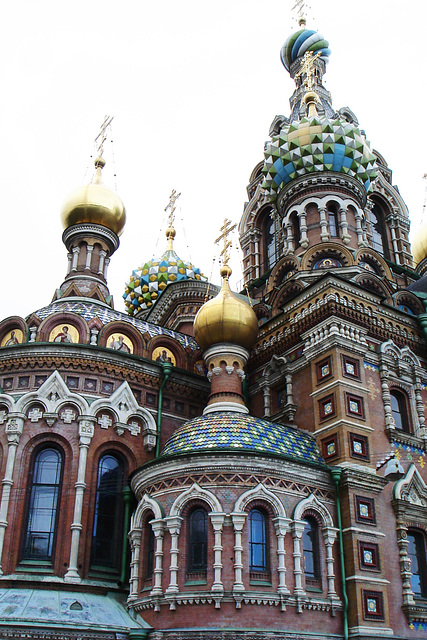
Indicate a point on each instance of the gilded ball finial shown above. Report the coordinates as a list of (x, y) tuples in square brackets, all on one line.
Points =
[(225, 271)]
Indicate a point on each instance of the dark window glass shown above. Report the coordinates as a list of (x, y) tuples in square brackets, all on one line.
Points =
[(108, 523), (295, 229), (377, 229), (43, 506), (270, 243), (257, 541), (150, 551), (333, 223), (311, 550), (417, 555), (197, 540), (399, 411)]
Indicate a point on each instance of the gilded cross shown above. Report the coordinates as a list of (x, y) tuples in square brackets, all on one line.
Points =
[(226, 230), (171, 205), (101, 137), (307, 67)]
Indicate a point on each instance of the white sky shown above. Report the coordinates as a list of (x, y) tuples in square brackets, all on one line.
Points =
[(193, 87)]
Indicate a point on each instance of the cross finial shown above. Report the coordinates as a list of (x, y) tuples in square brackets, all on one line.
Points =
[(101, 137), (300, 7), (171, 205), (307, 67), (226, 230)]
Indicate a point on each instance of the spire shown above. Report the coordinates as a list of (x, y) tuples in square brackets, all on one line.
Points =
[(170, 231)]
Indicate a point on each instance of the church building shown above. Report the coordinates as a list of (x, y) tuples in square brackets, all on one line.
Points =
[(202, 464)]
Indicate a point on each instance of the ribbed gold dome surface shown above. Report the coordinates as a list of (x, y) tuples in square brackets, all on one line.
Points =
[(94, 203), (226, 318)]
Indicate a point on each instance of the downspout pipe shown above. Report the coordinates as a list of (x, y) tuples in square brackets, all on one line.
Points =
[(336, 473), (167, 370)]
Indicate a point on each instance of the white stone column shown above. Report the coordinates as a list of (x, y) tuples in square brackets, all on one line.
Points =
[(135, 545), (14, 428), (297, 529), (107, 262), (394, 242), (102, 255), (281, 526), (420, 406), (217, 520), (173, 524), (86, 431), (303, 229), (76, 251), (329, 536), (389, 420), (89, 250), (344, 225), (238, 522), (324, 232), (359, 229), (265, 386), (158, 527), (70, 258)]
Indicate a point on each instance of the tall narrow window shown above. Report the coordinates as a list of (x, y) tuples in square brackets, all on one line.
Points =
[(399, 411), (257, 541), (150, 539), (197, 541), (296, 233), (310, 545), (43, 506), (108, 519), (417, 555), (376, 219), (333, 223), (270, 243)]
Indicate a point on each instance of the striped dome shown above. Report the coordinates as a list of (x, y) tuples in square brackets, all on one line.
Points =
[(304, 40)]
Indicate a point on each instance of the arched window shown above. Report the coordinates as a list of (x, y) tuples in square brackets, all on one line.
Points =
[(270, 242), (108, 519), (43, 506), (399, 409), (296, 233), (310, 547), (150, 542), (417, 555), (376, 219), (197, 541), (333, 220), (258, 557)]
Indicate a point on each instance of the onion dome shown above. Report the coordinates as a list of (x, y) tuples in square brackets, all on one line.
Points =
[(226, 318), (96, 204), (146, 283), (317, 144), (237, 432), (419, 245), (304, 40)]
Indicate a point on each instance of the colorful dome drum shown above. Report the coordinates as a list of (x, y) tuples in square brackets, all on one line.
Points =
[(314, 143)]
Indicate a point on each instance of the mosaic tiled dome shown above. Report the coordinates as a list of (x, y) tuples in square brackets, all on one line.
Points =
[(300, 42), (147, 282), (317, 144), (239, 432)]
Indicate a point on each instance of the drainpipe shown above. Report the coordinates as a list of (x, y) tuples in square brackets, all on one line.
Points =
[(336, 476), (167, 370), (127, 499)]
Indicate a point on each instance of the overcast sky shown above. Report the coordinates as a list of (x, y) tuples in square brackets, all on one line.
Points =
[(193, 87)]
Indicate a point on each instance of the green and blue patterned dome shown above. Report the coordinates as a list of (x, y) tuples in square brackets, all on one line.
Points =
[(232, 431), (317, 144), (146, 283)]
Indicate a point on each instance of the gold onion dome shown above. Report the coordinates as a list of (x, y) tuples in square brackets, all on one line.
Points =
[(94, 203), (419, 245), (226, 318)]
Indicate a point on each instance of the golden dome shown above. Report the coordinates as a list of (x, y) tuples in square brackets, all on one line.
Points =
[(419, 245), (226, 318), (95, 203)]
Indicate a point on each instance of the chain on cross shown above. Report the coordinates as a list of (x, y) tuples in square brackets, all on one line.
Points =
[(171, 205), (101, 137), (307, 67), (226, 230)]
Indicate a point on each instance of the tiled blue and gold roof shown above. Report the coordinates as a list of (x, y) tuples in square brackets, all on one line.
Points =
[(147, 282), (228, 431)]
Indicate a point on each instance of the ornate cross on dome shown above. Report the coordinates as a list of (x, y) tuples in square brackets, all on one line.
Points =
[(171, 205), (226, 230), (101, 137), (307, 67)]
